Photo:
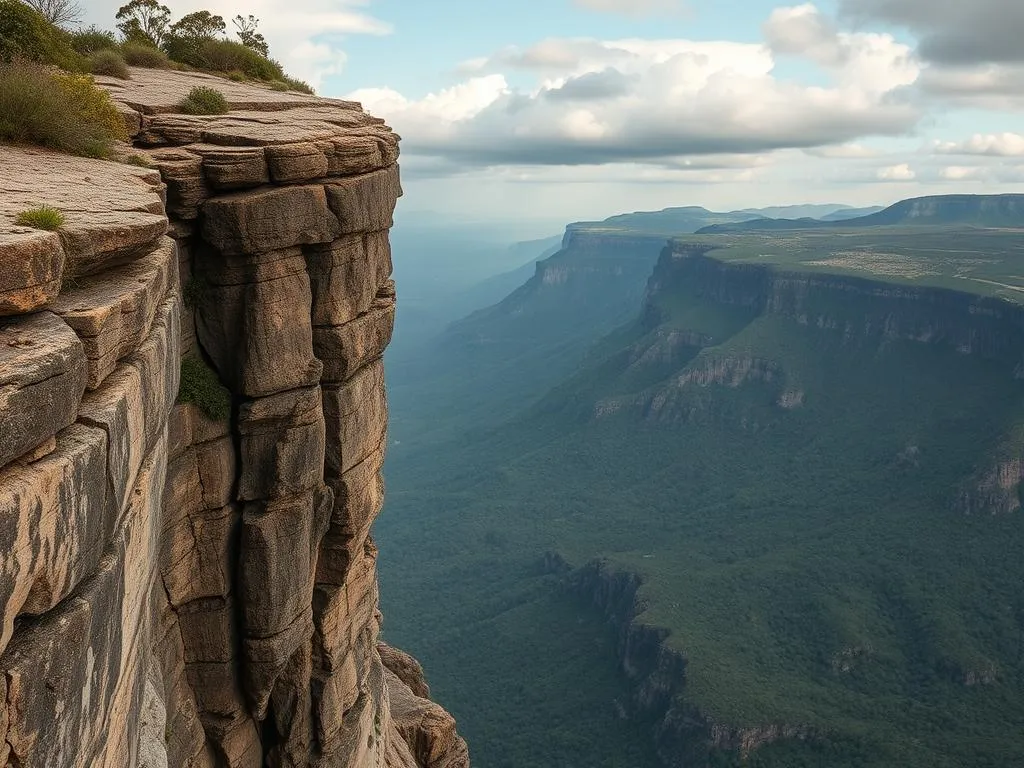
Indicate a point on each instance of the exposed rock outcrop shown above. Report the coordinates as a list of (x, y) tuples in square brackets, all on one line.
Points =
[(178, 590)]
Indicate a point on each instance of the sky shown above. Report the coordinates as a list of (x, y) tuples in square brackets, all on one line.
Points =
[(559, 110)]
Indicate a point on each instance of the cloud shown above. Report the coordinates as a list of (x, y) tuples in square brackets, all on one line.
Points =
[(901, 172), (651, 101), (305, 37), (991, 144), (632, 7), (952, 31), (842, 152), (972, 48)]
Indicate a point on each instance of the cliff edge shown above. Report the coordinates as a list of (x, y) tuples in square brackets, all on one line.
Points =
[(193, 583)]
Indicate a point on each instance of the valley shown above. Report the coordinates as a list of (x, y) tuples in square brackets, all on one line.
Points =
[(759, 506)]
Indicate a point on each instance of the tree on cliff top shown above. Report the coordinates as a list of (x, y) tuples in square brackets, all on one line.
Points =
[(58, 12), (248, 35), (144, 21)]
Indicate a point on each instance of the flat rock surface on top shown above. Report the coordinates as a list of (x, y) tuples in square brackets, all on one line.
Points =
[(111, 212), (156, 91)]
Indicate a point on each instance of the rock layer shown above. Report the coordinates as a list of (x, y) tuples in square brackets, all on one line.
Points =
[(177, 590)]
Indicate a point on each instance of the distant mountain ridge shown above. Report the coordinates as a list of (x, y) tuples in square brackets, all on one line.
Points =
[(934, 210)]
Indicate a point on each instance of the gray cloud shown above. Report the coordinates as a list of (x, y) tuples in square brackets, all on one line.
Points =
[(632, 7), (593, 86), (955, 32)]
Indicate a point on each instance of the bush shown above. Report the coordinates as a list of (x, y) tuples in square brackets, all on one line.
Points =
[(237, 76), (43, 217), (229, 56), (26, 34), (88, 41), (298, 85), (291, 84), (201, 387), (142, 55), (61, 111), (109, 63), (204, 101)]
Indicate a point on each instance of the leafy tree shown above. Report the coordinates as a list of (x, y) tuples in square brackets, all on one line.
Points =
[(185, 37), (144, 21), (248, 35), (200, 25), (59, 12)]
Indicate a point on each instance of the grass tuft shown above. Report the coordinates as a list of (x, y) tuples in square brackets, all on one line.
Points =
[(201, 387), (142, 55), (204, 101), (110, 63), (43, 217)]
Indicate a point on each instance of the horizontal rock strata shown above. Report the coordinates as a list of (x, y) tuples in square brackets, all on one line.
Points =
[(179, 588)]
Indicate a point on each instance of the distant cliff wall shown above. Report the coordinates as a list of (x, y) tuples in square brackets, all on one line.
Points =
[(182, 587)]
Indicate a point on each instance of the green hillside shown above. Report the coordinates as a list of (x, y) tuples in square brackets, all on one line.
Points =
[(808, 445)]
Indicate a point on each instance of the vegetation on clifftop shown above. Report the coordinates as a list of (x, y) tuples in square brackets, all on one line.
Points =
[(61, 111)]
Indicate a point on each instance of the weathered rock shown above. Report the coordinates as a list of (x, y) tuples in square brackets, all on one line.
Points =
[(405, 668), (282, 443), (269, 219), (426, 727), (347, 275), (31, 265), (356, 414), (358, 498), (89, 653), (296, 162), (132, 405), (279, 542), (42, 378), (254, 323), (227, 168), (56, 521), (365, 203), (224, 611), (344, 349), (112, 212), (112, 313)]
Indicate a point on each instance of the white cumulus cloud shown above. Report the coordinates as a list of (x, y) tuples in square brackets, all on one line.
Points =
[(656, 102)]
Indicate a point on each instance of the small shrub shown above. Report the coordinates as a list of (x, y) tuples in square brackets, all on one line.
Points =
[(301, 86), (26, 34), (237, 76), (201, 387), (61, 111), (140, 160), (278, 85), (141, 55), (43, 217), (204, 101), (109, 63), (88, 41), (229, 56)]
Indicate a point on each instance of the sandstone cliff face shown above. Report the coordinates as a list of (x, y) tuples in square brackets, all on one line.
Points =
[(178, 590)]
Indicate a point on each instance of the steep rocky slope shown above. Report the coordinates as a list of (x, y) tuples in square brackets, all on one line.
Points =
[(179, 589)]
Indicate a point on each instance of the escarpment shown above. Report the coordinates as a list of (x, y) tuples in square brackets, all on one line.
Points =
[(193, 583)]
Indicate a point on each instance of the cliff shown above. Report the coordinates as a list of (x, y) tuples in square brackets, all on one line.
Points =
[(194, 583)]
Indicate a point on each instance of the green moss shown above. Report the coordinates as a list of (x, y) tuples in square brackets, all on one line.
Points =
[(204, 101), (43, 217), (201, 387)]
